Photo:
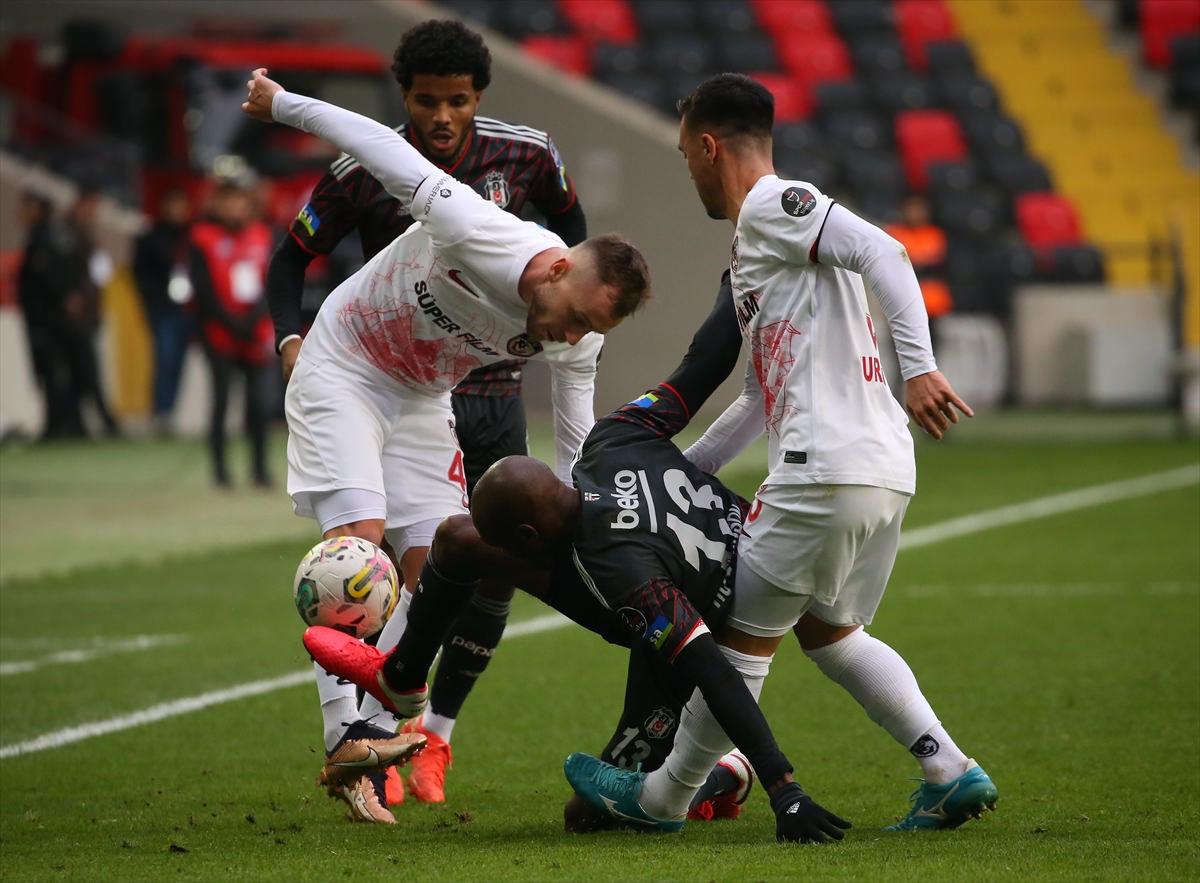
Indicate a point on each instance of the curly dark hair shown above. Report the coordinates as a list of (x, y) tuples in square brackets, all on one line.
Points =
[(442, 48)]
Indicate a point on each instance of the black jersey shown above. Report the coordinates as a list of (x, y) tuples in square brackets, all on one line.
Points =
[(652, 523), (515, 166)]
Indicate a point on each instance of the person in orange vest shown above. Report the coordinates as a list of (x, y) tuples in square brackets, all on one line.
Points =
[(926, 246), (228, 265)]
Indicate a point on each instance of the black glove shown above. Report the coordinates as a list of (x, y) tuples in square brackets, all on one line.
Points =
[(799, 819)]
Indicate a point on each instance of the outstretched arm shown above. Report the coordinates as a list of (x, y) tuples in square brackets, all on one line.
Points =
[(383, 152)]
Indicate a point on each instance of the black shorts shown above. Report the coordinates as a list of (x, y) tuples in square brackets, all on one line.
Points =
[(489, 428)]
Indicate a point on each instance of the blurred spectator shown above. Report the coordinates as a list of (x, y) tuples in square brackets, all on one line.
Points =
[(228, 266), (160, 269), (926, 246), (43, 282), (89, 268)]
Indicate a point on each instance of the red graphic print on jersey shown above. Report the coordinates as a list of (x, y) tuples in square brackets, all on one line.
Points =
[(771, 349)]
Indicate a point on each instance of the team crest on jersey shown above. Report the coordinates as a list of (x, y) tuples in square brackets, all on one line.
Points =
[(523, 347), (495, 188), (797, 202), (634, 619), (659, 724)]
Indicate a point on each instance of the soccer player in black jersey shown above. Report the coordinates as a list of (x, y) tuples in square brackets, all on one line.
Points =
[(641, 550), (443, 69)]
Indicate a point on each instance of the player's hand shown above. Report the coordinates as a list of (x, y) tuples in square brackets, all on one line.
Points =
[(800, 819), (288, 354), (930, 400), (261, 91)]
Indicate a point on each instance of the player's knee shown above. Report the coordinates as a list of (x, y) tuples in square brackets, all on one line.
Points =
[(454, 545), (369, 529), (813, 633)]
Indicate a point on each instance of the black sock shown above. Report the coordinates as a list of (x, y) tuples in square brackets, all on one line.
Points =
[(467, 652), (720, 781), (436, 604)]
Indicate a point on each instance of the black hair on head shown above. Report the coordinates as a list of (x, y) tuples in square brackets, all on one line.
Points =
[(442, 49), (730, 104)]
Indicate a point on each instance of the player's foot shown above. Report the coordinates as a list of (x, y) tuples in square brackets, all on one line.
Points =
[(614, 791), (580, 817), (366, 748), (427, 780), (727, 804), (365, 797), (347, 657), (948, 806), (393, 787)]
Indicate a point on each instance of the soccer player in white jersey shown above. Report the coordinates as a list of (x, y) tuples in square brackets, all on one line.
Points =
[(371, 446), (824, 530)]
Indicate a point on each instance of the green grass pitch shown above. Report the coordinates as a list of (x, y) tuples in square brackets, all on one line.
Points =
[(1062, 653)]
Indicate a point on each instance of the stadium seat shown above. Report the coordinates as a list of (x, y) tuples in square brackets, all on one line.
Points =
[(748, 52), (814, 58), (874, 172), (860, 16), (807, 166), (800, 18), (799, 137), (919, 23), (1047, 219), (665, 16), (1161, 22), (1072, 263), (611, 59), (949, 59), (963, 94), (567, 53), (877, 54), (521, 18), (727, 17), (899, 91), (926, 136), (610, 21), (977, 214), (960, 175), (793, 99), (645, 88), (1017, 174), (483, 12), (843, 95), (987, 131), (864, 129), (680, 53)]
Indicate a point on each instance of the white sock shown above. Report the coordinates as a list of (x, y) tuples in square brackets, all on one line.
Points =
[(699, 744), (882, 683), (371, 708), (438, 725), (338, 701)]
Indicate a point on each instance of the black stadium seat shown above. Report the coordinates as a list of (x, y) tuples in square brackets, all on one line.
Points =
[(949, 59), (681, 53), (1074, 263), (873, 172), (894, 92), (480, 12), (952, 176), (727, 17), (863, 129), (876, 54), (520, 18), (610, 59), (987, 131), (963, 94), (815, 168), (1017, 173), (841, 95), (802, 136), (746, 53), (665, 16), (857, 16), (969, 213), (640, 87)]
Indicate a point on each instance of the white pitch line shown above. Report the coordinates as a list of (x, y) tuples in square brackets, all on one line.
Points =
[(923, 536), (1056, 504), (102, 647)]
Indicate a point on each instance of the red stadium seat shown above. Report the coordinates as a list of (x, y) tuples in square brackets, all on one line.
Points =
[(924, 137), (793, 99), (814, 58), (610, 21), (570, 54), (920, 22), (1161, 22), (1047, 220), (802, 17)]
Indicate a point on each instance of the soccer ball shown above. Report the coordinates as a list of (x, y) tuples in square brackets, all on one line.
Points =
[(347, 584)]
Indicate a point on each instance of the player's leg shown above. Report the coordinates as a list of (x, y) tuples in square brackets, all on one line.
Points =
[(878, 678), (256, 378), (489, 428)]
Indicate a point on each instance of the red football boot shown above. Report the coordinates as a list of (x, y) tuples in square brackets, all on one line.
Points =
[(427, 780), (729, 804), (361, 664)]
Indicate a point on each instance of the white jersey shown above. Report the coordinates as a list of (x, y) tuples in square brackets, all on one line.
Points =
[(830, 415), (441, 300)]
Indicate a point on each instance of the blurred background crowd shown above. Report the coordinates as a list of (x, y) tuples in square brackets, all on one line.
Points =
[(1038, 158)]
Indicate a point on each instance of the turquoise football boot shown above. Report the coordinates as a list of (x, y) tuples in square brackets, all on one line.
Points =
[(948, 806), (614, 791)]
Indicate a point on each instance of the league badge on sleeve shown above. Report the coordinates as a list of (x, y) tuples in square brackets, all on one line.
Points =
[(308, 219), (556, 157), (797, 202)]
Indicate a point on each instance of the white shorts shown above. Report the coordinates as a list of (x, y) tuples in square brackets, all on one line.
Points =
[(823, 549), (346, 432)]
